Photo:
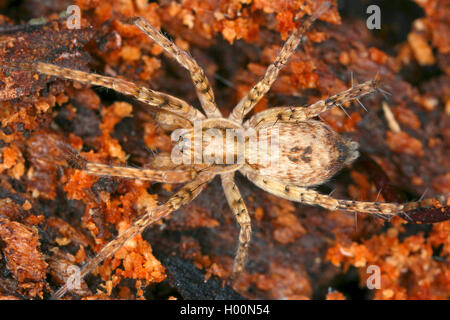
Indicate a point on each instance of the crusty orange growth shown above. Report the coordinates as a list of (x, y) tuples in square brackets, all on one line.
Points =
[(23, 258), (309, 151), (430, 279)]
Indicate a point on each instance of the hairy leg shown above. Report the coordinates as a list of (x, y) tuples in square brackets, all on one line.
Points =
[(204, 91), (153, 98), (312, 197), (240, 211), (272, 115), (170, 122), (185, 195), (260, 89), (165, 176)]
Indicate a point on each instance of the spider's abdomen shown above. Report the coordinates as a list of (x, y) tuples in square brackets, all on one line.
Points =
[(308, 152)]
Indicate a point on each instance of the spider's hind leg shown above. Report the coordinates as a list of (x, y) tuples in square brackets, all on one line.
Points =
[(185, 195), (311, 197)]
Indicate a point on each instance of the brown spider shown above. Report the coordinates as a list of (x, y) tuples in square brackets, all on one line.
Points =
[(310, 152)]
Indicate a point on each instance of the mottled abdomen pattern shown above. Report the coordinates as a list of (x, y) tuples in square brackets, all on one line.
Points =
[(310, 152)]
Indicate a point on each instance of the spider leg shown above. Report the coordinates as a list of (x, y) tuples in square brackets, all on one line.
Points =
[(170, 122), (164, 170), (202, 86), (293, 114), (148, 96), (262, 87), (240, 211), (165, 176), (185, 195), (312, 197)]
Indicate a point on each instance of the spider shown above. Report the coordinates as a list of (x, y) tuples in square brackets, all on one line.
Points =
[(310, 152)]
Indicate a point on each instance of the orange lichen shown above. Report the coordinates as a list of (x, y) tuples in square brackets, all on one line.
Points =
[(288, 228), (155, 139), (403, 143), (406, 117), (137, 262), (377, 55), (236, 29), (79, 184), (10, 156), (82, 211), (281, 283), (23, 257), (427, 278), (308, 78)]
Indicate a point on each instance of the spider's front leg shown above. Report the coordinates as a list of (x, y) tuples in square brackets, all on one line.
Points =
[(262, 87), (294, 114), (240, 211), (170, 121), (154, 98), (156, 175), (201, 83), (166, 172), (185, 195)]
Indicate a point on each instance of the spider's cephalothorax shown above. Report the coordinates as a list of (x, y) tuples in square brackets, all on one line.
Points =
[(307, 152)]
